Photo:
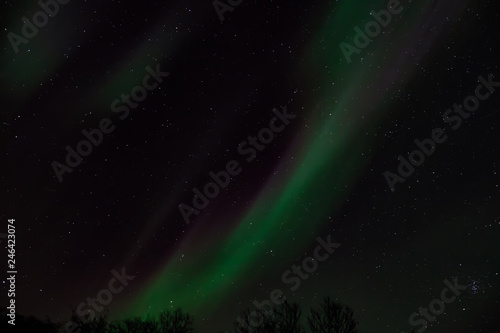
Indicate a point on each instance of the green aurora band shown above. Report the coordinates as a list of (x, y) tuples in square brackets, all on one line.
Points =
[(336, 150)]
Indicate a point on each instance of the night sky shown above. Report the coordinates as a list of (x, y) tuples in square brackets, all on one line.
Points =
[(324, 173)]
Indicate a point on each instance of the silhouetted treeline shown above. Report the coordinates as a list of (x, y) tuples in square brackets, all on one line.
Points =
[(166, 322), (328, 317)]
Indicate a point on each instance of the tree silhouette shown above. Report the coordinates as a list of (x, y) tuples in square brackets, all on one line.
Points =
[(86, 324), (176, 322), (284, 318), (332, 318)]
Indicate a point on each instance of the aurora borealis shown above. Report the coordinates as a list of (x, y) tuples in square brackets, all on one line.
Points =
[(322, 175)]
